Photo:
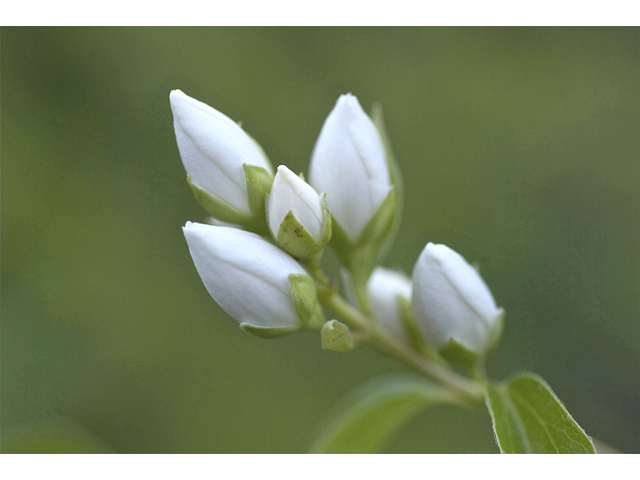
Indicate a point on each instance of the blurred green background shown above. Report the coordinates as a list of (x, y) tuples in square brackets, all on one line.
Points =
[(519, 149)]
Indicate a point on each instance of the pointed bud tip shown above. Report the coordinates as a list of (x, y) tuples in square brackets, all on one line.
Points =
[(286, 174), (348, 101), (177, 96)]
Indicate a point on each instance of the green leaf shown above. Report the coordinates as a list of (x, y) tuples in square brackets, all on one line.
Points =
[(375, 411), (528, 418)]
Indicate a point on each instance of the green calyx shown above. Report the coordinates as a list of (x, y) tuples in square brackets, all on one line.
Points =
[(361, 257), (496, 333), (218, 208), (376, 238), (396, 181), (378, 235), (296, 240), (258, 182), (307, 307), (305, 298), (458, 354), (268, 332), (336, 336), (410, 327)]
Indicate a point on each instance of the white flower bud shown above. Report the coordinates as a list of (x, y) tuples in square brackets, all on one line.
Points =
[(451, 301), (214, 150), (349, 164), (386, 288), (290, 193), (252, 280)]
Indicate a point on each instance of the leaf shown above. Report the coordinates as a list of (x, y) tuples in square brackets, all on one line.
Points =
[(372, 413), (529, 418)]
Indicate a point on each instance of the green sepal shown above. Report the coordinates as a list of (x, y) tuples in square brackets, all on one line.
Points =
[(361, 258), (262, 152), (218, 208), (305, 298), (396, 180), (496, 334), (336, 336), (376, 238), (373, 235), (296, 240), (457, 354), (327, 223), (268, 332), (378, 235), (259, 183), (411, 328)]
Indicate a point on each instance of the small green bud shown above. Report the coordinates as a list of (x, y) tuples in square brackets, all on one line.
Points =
[(336, 336)]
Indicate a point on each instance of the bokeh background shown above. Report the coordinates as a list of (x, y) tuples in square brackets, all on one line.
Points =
[(519, 149)]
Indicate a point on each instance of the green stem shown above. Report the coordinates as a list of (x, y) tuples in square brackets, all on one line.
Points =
[(313, 264), (467, 391)]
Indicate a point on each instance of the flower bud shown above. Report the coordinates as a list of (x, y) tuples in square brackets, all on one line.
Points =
[(336, 336), (387, 289), (260, 286), (454, 308), (298, 217), (349, 163), (227, 170)]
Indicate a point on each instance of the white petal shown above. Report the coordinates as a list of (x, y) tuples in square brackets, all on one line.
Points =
[(349, 164), (247, 276), (290, 193), (451, 300), (213, 149), (384, 288)]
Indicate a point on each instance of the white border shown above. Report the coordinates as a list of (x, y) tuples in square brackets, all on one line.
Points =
[(319, 13)]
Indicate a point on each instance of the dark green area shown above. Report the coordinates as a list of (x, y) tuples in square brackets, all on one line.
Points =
[(518, 147)]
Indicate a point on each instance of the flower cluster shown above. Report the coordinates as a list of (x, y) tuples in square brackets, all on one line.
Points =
[(260, 257)]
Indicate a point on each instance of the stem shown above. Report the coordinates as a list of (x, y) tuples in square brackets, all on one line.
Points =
[(466, 390), (313, 264)]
